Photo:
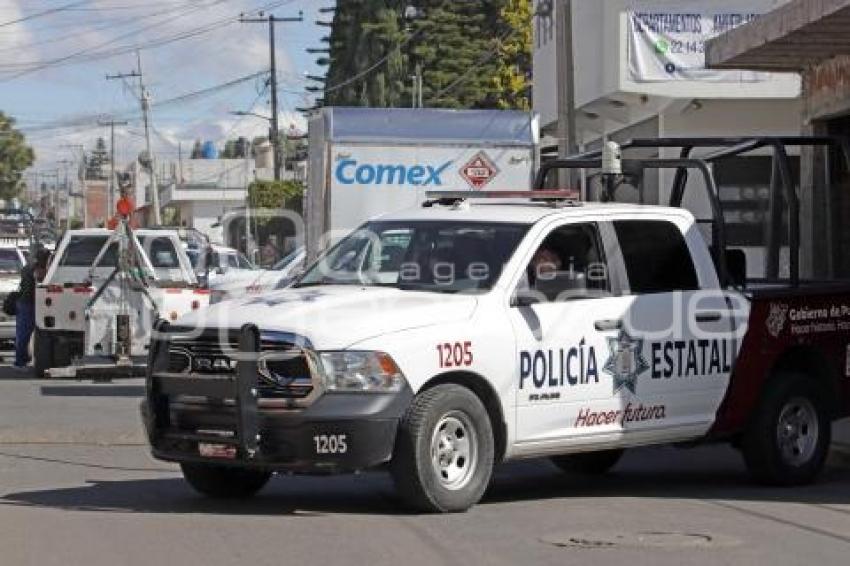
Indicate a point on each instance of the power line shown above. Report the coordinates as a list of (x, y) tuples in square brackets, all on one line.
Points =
[(209, 90), (271, 19), (476, 66), (91, 54), (84, 121), (109, 24), (43, 13), (145, 100), (111, 192), (39, 65), (372, 67)]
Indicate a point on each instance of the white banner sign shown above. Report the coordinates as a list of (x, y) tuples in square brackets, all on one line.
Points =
[(670, 46)]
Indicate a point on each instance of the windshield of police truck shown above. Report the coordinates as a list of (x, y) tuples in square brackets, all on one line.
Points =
[(446, 257)]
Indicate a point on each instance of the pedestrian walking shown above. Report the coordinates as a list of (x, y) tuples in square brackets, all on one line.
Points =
[(31, 275)]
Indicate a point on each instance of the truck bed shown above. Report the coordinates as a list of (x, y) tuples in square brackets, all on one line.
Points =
[(805, 328)]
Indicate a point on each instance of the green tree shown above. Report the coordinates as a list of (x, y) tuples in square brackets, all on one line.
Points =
[(15, 157), (229, 151), (276, 194), (512, 82), (473, 54), (97, 159)]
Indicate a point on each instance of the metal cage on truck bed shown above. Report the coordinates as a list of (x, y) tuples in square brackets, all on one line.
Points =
[(783, 193)]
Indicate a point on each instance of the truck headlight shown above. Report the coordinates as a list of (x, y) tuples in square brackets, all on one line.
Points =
[(360, 371)]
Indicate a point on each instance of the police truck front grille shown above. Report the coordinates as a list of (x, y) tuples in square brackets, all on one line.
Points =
[(287, 376), (202, 356)]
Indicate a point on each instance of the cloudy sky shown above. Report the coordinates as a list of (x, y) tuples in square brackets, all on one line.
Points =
[(55, 54)]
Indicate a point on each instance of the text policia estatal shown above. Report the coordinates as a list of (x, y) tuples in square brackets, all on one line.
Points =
[(578, 365)]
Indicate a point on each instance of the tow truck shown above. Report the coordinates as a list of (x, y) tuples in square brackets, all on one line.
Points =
[(486, 327), (102, 293)]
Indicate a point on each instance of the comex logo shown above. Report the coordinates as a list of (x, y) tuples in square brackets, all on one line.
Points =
[(349, 171)]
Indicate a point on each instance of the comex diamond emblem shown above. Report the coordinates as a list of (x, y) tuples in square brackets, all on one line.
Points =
[(625, 362), (479, 171)]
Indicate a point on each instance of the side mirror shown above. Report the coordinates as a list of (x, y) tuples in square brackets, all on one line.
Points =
[(524, 299)]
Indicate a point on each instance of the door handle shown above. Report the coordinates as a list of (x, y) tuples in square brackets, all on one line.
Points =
[(607, 325), (709, 317)]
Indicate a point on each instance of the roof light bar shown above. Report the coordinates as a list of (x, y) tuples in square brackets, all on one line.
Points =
[(534, 195)]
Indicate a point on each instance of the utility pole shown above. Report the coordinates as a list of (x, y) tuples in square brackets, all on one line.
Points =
[(565, 72), (419, 74), (271, 19), (81, 177), (110, 194), (416, 91), (66, 189), (144, 98)]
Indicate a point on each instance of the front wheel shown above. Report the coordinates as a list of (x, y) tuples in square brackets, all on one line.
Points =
[(221, 482), (788, 440), (444, 450)]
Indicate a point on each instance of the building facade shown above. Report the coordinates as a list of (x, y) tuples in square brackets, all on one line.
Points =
[(640, 71), (812, 39)]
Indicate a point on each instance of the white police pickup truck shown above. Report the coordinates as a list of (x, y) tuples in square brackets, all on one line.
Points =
[(449, 338)]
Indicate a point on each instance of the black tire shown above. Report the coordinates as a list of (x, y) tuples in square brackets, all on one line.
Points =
[(221, 482), (772, 455), (588, 463), (42, 352), (444, 417)]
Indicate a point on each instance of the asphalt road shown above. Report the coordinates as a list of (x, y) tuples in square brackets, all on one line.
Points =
[(77, 487)]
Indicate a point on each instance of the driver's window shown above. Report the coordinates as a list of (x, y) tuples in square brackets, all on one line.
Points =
[(569, 264)]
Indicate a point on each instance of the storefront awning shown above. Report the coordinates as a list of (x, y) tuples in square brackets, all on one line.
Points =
[(791, 38)]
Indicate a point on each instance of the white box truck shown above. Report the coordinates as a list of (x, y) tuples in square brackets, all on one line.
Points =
[(365, 162)]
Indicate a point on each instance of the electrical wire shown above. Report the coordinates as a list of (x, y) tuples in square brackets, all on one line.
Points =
[(108, 24), (39, 65), (88, 119), (43, 13), (372, 67), (91, 53), (486, 58)]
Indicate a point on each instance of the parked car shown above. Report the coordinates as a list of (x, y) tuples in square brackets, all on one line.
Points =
[(239, 283), (12, 260)]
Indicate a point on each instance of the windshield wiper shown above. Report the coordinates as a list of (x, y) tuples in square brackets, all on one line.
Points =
[(427, 289)]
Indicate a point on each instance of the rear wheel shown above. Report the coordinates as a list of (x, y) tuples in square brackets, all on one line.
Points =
[(43, 348), (444, 450), (788, 440), (222, 482), (588, 463)]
